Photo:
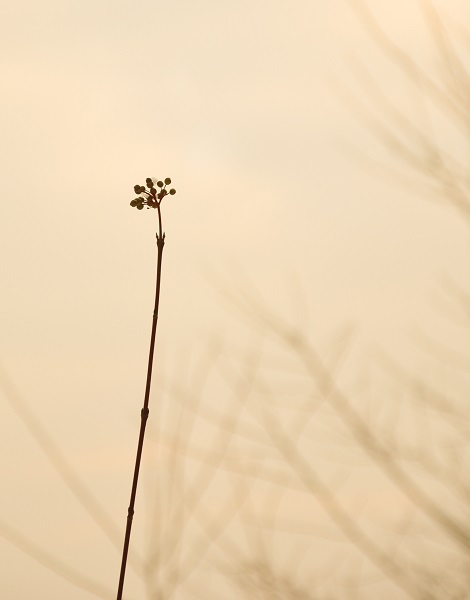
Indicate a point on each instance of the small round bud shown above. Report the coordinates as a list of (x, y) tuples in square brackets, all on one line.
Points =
[(167, 181), (137, 189), (172, 192), (160, 183), (133, 202), (140, 206), (149, 182)]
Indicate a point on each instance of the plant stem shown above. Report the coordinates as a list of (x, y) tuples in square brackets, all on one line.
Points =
[(145, 410)]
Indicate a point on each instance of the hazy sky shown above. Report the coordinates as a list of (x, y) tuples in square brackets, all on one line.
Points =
[(237, 102)]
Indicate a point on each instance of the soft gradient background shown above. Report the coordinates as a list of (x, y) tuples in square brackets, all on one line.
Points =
[(238, 103)]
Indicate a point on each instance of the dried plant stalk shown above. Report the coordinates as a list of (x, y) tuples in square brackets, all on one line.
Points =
[(152, 197)]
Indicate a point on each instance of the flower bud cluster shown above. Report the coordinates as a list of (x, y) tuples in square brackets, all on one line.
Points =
[(151, 194)]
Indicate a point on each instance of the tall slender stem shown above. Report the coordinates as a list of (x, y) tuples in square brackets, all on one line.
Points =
[(145, 410)]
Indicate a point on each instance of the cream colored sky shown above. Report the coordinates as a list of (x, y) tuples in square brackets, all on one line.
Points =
[(235, 101)]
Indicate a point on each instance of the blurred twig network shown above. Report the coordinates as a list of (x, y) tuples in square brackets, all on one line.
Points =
[(273, 482)]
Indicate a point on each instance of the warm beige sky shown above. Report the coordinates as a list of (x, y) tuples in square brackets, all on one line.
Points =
[(236, 102)]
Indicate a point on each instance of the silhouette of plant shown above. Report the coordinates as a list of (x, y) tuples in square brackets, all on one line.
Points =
[(150, 197), (262, 436)]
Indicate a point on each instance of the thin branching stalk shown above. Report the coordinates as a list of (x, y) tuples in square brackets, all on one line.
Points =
[(150, 197)]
